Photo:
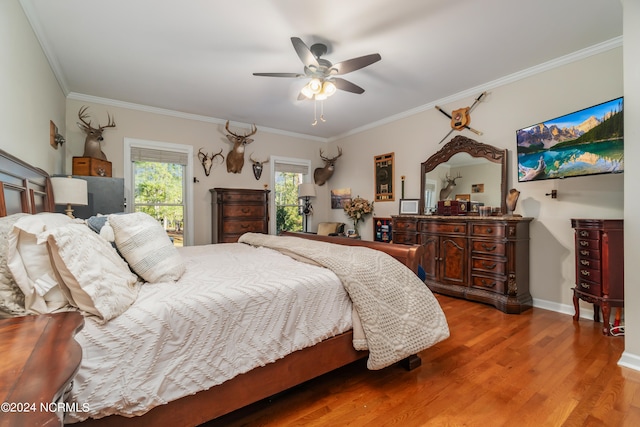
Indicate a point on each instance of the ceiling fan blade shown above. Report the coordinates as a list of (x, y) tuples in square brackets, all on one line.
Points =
[(350, 65), (304, 53), (343, 84), (279, 74)]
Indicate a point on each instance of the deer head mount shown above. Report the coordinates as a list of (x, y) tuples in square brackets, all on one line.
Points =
[(322, 175), (257, 166), (207, 160), (94, 135), (235, 157), (448, 188)]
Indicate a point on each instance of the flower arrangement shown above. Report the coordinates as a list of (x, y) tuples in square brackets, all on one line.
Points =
[(357, 209)]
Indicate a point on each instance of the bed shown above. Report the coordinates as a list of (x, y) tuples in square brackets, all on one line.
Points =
[(317, 310)]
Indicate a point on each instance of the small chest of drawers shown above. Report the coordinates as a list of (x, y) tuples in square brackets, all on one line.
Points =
[(238, 211), (599, 259)]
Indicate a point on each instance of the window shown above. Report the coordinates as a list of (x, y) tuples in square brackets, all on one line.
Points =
[(286, 175), (156, 181)]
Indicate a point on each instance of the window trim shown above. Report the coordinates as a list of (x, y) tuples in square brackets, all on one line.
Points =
[(188, 179), (272, 200)]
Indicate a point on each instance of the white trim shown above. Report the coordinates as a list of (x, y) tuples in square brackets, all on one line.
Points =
[(272, 182), (629, 360), (188, 182)]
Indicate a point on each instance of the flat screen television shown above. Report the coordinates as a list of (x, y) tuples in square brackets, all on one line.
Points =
[(586, 142)]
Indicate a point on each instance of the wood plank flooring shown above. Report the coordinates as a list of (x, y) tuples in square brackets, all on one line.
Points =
[(539, 368)]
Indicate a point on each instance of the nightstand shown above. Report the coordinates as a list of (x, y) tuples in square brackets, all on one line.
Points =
[(39, 360)]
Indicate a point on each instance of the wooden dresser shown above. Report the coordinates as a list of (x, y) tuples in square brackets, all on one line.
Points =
[(478, 258), (599, 247), (38, 363), (237, 211)]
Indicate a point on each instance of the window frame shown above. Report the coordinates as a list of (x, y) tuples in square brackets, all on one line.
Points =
[(273, 160), (129, 143)]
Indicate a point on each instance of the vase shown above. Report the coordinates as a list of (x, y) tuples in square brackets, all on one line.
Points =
[(355, 228)]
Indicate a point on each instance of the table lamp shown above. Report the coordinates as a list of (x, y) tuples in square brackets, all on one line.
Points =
[(69, 191)]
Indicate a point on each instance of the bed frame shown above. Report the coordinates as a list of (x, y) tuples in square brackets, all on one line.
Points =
[(25, 188)]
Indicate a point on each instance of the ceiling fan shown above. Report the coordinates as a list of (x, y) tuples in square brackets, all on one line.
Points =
[(322, 72)]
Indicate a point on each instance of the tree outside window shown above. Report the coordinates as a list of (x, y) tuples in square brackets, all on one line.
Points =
[(288, 217)]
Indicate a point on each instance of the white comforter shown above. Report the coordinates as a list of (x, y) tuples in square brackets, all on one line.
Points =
[(227, 315)]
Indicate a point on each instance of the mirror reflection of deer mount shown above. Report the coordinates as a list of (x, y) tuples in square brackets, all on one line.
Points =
[(383, 166), (475, 162)]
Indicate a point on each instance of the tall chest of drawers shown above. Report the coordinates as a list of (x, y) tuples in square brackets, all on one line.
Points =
[(237, 211), (599, 262), (482, 259)]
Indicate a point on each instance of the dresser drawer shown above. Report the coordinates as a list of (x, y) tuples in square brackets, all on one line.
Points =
[(232, 227), (494, 284), (588, 274), (487, 230), (257, 197), (588, 244), (588, 262), (589, 253), (444, 227), (405, 238), (488, 265), (588, 234), (590, 287), (487, 247), (243, 211), (405, 225)]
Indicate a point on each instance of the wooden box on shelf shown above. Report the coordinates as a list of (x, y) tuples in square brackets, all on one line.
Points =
[(90, 166)]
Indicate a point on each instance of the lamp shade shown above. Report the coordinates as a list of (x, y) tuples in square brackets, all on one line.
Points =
[(69, 191), (307, 189)]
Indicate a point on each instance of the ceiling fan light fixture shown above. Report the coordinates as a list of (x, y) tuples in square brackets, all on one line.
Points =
[(328, 88), (320, 96), (307, 92), (315, 86)]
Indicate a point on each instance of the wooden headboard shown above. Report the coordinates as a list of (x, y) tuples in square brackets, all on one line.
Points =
[(23, 188)]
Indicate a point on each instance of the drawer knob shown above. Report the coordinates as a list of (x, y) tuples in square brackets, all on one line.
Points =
[(488, 284), (584, 253), (583, 243), (245, 210), (489, 248), (585, 262), (489, 230), (585, 273), (456, 229), (584, 233), (489, 266), (245, 226), (584, 285)]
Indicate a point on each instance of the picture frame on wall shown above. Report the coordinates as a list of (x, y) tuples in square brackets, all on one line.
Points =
[(409, 206), (383, 170)]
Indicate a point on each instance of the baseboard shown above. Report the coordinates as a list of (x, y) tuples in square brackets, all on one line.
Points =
[(562, 308), (628, 360)]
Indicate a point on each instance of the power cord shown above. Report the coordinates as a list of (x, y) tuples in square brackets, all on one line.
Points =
[(616, 331)]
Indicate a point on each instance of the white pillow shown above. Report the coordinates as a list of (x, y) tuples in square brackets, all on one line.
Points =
[(30, 264), (145, 245), (11, 296), (91, 273)]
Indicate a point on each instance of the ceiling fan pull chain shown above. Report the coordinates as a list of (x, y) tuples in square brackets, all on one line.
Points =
[(322, 111), (315, 120)]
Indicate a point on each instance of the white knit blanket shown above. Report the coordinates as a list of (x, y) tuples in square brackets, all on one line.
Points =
[(399, 314)]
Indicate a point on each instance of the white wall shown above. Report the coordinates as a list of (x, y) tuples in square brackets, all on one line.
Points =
[(208, 135), (29, 94), (505, 109), (631, 17)]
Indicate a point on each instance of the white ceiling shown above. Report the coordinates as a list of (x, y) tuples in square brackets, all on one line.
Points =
[(197, 56)]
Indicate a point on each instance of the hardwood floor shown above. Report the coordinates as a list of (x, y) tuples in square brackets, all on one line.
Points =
[(538, 368)]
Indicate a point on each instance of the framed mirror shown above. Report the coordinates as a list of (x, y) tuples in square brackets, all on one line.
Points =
[(467, 168)]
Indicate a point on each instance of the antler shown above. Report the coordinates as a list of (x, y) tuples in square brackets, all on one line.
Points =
[(257, 161), (254, 129), (82, 116), (326, 159)]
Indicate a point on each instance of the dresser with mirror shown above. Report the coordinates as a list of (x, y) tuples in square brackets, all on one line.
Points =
[(482, 258)]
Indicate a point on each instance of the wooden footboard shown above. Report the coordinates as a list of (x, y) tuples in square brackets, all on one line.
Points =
[(273, 378), (406, 254)]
